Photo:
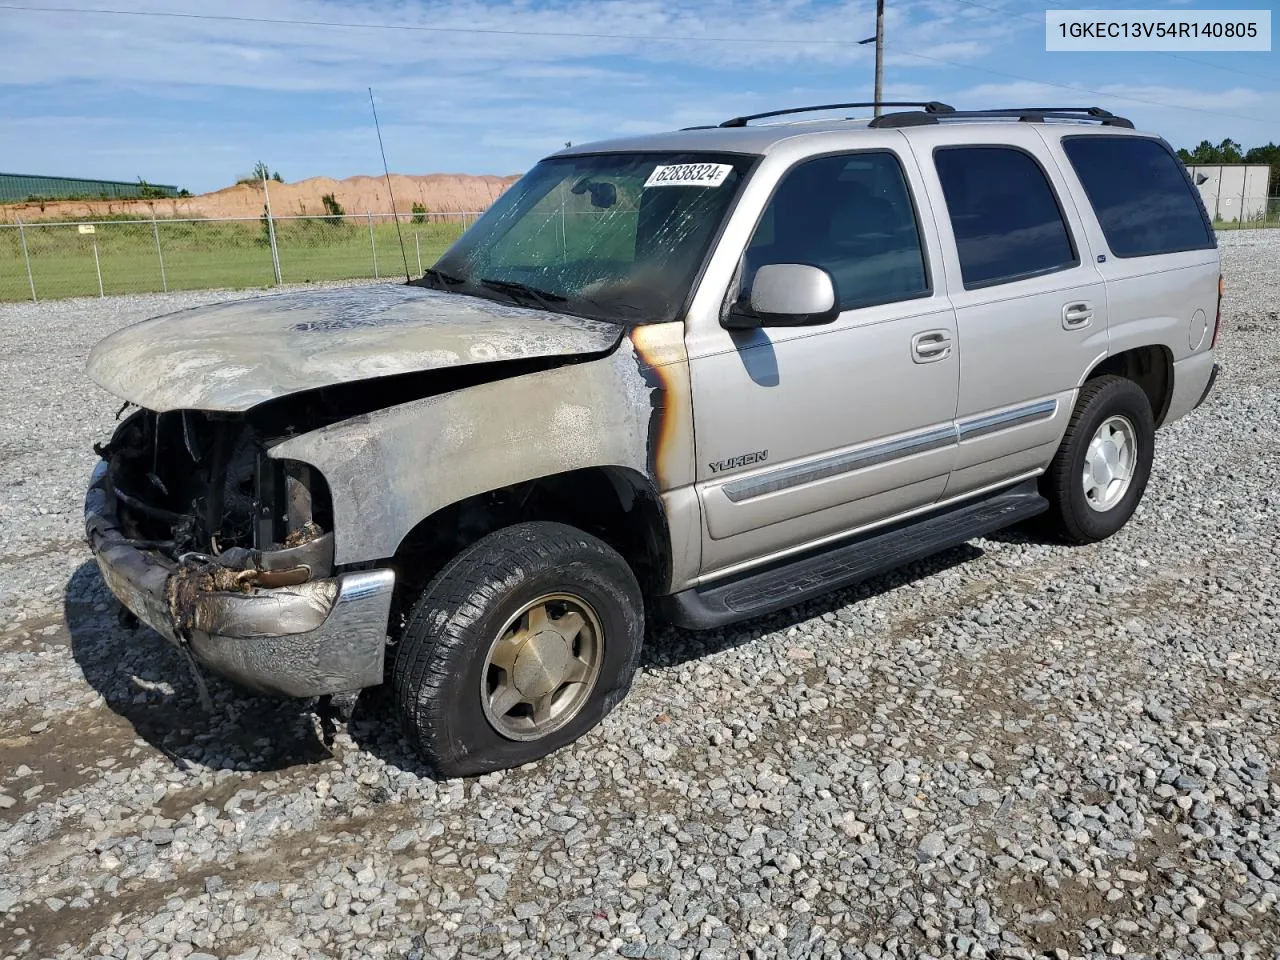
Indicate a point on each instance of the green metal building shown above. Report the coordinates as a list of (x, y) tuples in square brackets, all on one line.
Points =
[(17, 187)]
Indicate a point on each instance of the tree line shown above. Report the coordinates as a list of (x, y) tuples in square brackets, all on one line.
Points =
[(1228, 151)]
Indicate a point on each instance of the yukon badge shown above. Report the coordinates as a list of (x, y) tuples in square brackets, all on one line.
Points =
[(742, 460)]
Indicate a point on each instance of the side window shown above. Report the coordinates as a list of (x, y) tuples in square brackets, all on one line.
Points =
[(852, 215), (1141, 194), (1004, 214)]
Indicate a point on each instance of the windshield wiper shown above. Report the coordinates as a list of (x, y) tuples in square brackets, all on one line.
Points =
[(441, 280), (523, 294)]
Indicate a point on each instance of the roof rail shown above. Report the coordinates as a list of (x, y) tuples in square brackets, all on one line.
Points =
[(1025, 114), (929, 106)]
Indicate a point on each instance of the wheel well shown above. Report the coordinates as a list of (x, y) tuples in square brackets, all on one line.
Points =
[(1150, 367), (616, 504)]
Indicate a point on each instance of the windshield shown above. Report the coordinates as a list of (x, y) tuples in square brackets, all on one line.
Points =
[(616, 237)]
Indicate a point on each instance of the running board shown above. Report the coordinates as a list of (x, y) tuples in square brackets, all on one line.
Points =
[(798, 579)]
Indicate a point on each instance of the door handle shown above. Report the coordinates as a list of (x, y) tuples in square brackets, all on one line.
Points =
[(1077, 315), (930, 346)]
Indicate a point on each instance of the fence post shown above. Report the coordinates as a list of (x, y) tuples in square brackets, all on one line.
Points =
[(98, 267), (418, 248), (155, 228), (372, 245), (26, 258), (271, 229)]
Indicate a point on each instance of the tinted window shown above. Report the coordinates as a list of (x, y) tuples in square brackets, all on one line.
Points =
[(1004, 214), (1141, 195), (851, 215)]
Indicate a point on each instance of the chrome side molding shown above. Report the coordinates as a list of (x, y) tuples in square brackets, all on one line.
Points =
[(981, 426), (797, 474), (933, 438)]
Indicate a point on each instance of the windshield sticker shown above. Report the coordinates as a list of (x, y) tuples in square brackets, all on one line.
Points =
[(689, 175)]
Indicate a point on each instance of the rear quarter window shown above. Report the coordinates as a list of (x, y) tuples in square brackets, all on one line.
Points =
[(1141, 195)]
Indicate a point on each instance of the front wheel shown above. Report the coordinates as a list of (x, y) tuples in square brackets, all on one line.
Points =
[(1099, 473), (520, 645)]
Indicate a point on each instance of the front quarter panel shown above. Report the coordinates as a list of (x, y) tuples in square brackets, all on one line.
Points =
[(389, 470)]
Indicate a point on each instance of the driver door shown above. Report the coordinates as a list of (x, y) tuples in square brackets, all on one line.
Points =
[(805, 434)]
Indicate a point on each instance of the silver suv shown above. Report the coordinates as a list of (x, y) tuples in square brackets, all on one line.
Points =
[(704, 375)]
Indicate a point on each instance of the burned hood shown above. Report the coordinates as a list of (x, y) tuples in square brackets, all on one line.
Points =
[(233, 356)]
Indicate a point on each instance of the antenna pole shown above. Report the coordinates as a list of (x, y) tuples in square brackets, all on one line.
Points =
[(394, 215), (879, 55), (271, 228)]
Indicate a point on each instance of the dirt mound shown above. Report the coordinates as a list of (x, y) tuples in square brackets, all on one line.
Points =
[(438, 192)]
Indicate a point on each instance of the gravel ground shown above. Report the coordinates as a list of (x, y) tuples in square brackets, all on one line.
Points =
[(1016, 749)]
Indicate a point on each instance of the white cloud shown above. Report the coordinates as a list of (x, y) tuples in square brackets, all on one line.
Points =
[(46, 48), (1183, 115), (198, 101)]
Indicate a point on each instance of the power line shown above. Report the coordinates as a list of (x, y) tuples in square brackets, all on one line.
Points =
[(1216, 66), (284, 21), (495, 31)]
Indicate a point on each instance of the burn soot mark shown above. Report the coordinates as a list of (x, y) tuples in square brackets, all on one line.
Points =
[(652, 377)]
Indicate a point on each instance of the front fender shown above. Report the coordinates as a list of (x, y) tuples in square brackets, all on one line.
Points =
[(390, 469)]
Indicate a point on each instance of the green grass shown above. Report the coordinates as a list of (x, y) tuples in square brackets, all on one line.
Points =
[(210, 254), (1220, 226)]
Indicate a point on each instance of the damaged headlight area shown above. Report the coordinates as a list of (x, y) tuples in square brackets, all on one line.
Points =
[(200, 487), (228, 553)]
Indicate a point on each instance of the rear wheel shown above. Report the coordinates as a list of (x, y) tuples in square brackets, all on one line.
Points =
[(1101, 470), (524, 642)]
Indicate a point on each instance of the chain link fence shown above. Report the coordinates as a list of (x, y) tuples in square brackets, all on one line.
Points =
[(40, 261), (1263, 213), (1260, 212)]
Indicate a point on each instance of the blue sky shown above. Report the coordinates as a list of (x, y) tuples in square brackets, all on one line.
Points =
[(195, 102)]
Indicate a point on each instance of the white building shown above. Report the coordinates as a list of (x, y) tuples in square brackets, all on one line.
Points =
[(1230, 188)]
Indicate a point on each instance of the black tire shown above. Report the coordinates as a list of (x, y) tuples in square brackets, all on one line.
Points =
[(441, 656), (1070, 513)]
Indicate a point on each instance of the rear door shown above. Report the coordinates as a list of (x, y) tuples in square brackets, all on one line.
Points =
[(1031, 306)]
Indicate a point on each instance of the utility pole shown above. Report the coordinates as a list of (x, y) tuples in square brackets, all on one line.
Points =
[(878, 40), (879, 54)]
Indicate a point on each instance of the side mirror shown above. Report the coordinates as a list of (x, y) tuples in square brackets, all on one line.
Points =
[(787, 295)]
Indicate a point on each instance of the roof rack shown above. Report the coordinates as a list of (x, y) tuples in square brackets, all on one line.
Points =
[(929, 107), (1025, 114)]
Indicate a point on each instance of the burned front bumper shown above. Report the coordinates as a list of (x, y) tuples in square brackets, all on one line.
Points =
[(319, 636)]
